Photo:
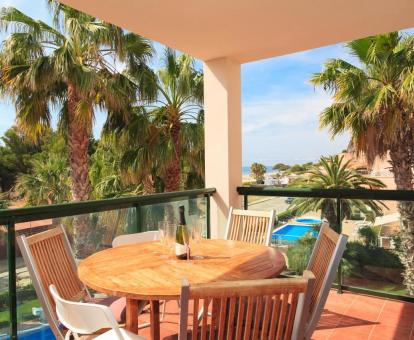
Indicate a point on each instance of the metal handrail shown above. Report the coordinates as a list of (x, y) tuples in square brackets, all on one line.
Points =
[(77, 208), (375, 194)]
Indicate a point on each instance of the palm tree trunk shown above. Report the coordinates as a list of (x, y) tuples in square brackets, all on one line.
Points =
[(330, 215), (172, 177), (78, 140), (401, 165)]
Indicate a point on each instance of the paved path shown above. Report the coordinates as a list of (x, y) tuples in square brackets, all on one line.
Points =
[(277, 203)]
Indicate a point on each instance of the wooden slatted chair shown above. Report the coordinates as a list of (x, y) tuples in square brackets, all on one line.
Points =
[(252, 309), (250, 226), (49, 260), (324, 263)]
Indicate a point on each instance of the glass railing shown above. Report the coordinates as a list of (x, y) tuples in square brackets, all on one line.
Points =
[(372, 260), (91, 226)]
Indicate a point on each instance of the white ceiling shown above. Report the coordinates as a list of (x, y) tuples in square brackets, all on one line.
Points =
[(248, 30)]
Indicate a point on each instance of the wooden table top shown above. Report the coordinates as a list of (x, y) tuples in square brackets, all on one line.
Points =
[(142, 271)]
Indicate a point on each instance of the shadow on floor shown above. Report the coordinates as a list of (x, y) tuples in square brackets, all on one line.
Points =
[(331, 320)]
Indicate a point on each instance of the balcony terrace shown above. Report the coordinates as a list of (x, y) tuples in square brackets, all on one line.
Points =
[(359, 313), (223, 35)]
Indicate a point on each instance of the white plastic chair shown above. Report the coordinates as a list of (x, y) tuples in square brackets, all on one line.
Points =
[(146, 236), (88, 318)]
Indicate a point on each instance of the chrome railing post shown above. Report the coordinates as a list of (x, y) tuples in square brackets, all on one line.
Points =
[(339, 230), (11, 257), (208, 215), (138, 216)]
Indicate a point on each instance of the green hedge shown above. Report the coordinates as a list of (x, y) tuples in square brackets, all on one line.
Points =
[(23, 293), (359, 255)]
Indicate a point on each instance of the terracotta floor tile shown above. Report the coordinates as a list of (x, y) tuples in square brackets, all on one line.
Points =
[(391, 332), (346, 336), (396, 320), (362, 315), (357, 329), (322, 334)]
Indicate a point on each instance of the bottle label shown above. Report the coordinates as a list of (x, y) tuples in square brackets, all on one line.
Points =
[(180, 249)]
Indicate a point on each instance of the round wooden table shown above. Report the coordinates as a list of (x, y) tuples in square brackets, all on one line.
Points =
[(144, 272)]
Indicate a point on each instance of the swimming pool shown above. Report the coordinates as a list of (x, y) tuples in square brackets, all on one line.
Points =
[(42, 332), (292, 232), (309, 220)]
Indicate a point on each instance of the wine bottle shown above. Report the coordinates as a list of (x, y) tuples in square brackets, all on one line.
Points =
[(182, 237)]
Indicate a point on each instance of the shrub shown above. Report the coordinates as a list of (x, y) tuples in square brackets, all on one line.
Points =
[(358, 255), (286, 215), (24, 293), (369, 235), (299, 254)]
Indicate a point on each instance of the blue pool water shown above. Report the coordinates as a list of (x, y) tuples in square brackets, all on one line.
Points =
[(292, 232), (39, 333), (309, 220)]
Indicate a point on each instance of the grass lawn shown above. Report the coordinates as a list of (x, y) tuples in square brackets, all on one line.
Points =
[(387, 287), (24, 312)]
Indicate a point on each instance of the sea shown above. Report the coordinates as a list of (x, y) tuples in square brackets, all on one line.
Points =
[(246, 169)]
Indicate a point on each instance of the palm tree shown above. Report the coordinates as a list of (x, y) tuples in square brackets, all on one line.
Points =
[(334, 173), (141, 148), (258, 170), (105, 173), (71, 66), (166, 137), (180, 96), (47, 183), (193, 151), (373, 100), (145, 150)]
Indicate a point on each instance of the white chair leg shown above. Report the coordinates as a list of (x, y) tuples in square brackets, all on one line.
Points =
[(163, 311), (201, 312)]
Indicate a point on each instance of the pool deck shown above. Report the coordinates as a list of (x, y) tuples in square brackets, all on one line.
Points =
[(346, 316)]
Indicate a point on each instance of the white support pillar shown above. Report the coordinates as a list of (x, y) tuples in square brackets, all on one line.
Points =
[(223, 141)]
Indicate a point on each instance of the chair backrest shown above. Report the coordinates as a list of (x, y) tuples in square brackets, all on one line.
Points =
[(50, 260), (83, 318), (250, 226), (252, 309), (324, 263), (135, 238)]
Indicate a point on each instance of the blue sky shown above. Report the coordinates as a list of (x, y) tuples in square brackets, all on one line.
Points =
[(279, 107)]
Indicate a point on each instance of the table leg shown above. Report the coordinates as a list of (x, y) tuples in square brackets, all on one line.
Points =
[(155, 320), (132, 315)]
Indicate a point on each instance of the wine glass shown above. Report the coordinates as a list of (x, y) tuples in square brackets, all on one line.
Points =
[(186, 240), (196, 236), (170, 234), (161, 234)]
